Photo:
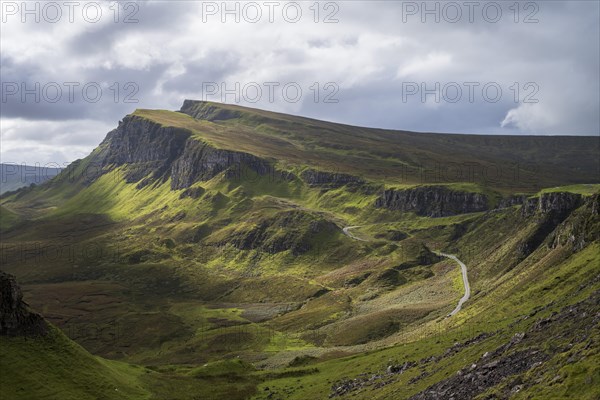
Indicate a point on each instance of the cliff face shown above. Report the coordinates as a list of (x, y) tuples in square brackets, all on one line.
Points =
[(550, 210), (582, 227), (201, 162), (432, 201), (150, 149), (15, 318), (556, 203)]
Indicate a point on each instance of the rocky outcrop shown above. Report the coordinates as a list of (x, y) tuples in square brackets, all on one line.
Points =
[(469, 382), (549, 210), (432, 201), (329, 179), (554, 203), (156, 152), (201, 162), (505, 367), (581, 228), (147, 147), (15, 317)]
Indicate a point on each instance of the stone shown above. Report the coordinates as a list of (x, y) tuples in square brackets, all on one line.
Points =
[(432, 201), (15, 317)]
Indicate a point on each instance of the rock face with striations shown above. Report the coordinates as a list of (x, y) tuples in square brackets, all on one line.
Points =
[(201, 162), (159, 153), (582, 226), (432, 201), (15, 318), (558, 203), (548, 210)]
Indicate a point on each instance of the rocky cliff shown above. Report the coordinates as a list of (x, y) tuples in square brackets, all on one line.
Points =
[(15, 317), (432, 201), (550, 210), (159, 153), (554, 203), (582, 227), (201, 162)]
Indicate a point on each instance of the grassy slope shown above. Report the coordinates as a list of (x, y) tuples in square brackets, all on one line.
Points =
[(574, 381), (55, 367), (7, 218), (185, 296)]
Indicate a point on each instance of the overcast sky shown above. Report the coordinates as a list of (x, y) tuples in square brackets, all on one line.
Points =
[(479, 67)]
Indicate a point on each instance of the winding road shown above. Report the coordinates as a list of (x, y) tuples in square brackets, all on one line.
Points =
[(346, 231), (465, 277), (463, 269)]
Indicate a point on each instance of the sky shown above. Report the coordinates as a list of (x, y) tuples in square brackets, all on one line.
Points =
[(71, 70)]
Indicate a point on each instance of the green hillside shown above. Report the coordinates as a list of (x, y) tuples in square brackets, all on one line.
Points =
[(221, 251)]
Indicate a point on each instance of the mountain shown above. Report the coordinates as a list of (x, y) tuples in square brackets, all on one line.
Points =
[(279, 257), (16, 176)]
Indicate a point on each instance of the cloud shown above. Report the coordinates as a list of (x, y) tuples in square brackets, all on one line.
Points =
[(370, 54), (531, 118), (432, 62), (49, 142)]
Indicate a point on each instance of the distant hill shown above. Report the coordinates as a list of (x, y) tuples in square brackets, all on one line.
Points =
[(15, 176)]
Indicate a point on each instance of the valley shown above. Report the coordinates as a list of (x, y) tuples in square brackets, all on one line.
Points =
[(220, 251)]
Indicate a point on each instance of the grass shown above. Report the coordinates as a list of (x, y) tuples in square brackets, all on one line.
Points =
[(54, 367), (255, 272), (57, 368), (583, 189), (8, 219), (318, 384)]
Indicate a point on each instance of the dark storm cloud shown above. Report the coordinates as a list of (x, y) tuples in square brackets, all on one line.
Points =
[(63, 97), (387, 110), (147, 17), (213, 67)]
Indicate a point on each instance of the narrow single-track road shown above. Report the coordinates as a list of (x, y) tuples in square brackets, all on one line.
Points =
[(465, 278), (346, 231)]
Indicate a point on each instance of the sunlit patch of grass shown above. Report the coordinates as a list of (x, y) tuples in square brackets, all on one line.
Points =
[(583, 189)]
